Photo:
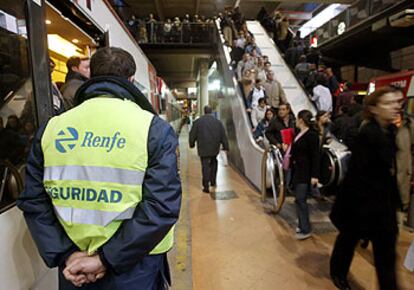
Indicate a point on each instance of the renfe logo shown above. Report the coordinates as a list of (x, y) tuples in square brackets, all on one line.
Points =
[(69, 137), (108, 142), (89, 140)]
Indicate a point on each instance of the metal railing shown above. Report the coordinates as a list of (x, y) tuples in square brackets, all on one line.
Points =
[(175, 33)]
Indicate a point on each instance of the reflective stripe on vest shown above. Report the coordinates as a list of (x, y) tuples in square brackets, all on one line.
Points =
[(94, 173), (95, 161), (91, 217)]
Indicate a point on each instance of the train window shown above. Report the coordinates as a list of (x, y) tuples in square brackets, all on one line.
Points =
[(17, 117)]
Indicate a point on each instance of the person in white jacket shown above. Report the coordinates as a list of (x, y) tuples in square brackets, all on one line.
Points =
[(258, 112), (322, 95)]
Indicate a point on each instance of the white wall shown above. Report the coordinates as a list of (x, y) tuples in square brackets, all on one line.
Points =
[(20, 264), (102, 16)]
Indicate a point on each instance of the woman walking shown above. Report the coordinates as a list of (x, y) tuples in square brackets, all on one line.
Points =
[(365, 207), (305, 155)]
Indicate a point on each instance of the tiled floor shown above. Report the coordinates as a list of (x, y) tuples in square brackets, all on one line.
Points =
[(236, 245)]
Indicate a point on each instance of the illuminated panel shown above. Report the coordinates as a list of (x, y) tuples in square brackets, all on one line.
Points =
[(320, 19), (61, 46)]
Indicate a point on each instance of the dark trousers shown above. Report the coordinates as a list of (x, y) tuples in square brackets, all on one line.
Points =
[(383, 244), (302, 190), (209, 170)]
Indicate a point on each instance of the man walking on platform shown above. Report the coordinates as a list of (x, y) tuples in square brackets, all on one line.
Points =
[(209, 134), (102, 190)]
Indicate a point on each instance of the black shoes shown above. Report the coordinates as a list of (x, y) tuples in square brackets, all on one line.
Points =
[(340, 283), (206, 190)]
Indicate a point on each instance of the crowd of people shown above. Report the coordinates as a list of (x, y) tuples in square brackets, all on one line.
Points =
[(185, 29), (341, 116)]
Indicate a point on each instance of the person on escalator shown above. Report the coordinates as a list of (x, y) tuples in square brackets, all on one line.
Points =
[(243, 65), (260, 129), (251, 46), (324, 124), (321, 94), (284, 121), (302, 69), (257, 93), (274, 91), (305, 162), (258, 112)]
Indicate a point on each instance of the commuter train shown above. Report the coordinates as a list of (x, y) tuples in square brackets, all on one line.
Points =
[(31, 32)]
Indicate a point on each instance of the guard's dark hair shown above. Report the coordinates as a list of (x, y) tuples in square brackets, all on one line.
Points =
[(307, 117), (208, 110), (112, 61), (74, 61)]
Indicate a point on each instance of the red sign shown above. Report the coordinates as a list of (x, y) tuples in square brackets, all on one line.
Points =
[(404, 80)]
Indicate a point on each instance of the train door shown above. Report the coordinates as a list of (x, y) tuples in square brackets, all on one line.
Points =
[(65, 40)]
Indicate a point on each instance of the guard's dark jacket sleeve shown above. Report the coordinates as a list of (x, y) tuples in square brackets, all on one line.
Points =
[(160, 206), (52, 242)]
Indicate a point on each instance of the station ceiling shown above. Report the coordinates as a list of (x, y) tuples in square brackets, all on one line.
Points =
[(172, 8)]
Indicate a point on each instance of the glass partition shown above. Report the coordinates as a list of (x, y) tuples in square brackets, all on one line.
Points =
[(17, 114)]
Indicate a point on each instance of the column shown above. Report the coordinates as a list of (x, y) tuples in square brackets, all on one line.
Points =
[(203, 87)]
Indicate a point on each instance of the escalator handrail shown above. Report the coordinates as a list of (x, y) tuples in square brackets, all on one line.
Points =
[(238, 92)]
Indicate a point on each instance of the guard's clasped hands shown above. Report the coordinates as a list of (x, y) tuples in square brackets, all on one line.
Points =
[(83, 269)]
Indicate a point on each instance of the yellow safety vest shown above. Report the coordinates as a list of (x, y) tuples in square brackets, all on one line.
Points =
[(95, 158)]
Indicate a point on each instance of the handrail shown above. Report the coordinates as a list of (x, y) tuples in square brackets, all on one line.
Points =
[(182, 33), (237, 88)]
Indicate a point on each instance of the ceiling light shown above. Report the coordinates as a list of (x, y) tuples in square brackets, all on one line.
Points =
[(61, 46), (75, 40), (321, 18), (48, 22)]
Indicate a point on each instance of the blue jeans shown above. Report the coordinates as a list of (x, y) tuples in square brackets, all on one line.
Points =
[(302, 190)]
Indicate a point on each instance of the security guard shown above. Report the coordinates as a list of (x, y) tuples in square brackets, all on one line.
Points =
[(102, 188)]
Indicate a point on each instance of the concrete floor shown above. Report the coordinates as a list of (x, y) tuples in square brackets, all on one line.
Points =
[(235, 244)]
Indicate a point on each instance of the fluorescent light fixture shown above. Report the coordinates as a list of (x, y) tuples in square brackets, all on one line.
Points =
[(61, 46), (8, 22), (320, 19)]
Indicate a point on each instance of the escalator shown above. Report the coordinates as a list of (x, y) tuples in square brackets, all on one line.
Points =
[(263, 168), (295, 93)]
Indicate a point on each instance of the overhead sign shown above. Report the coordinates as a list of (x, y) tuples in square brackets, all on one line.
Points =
[(341, 28)]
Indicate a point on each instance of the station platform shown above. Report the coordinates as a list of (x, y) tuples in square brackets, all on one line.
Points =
[(227, 240)]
